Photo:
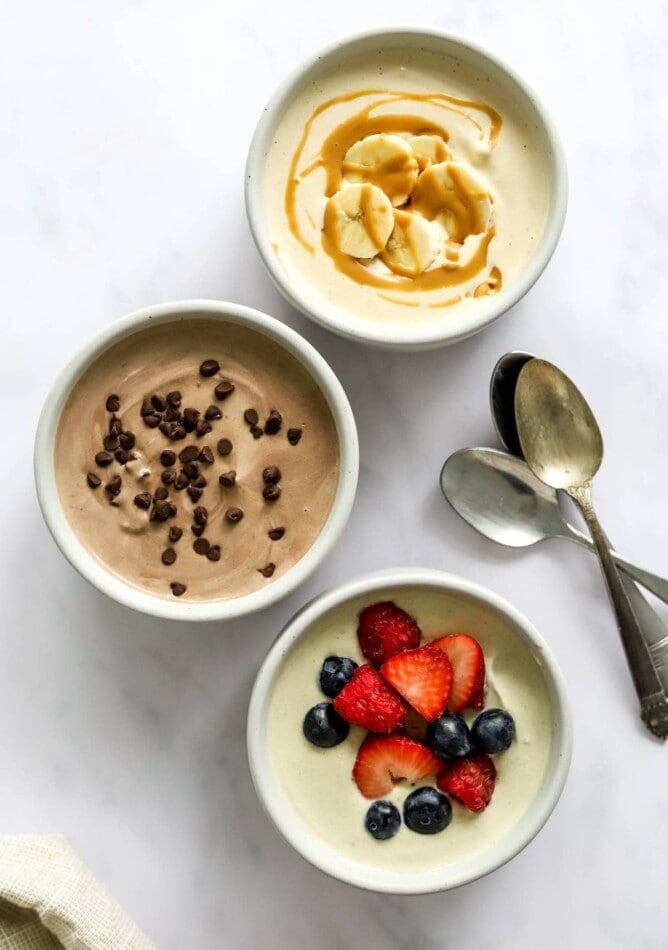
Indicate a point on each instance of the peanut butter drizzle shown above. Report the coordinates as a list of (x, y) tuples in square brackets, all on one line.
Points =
[(395, 176), (492, 285), (432, 197)]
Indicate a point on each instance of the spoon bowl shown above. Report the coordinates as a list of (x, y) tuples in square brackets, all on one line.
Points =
[(502, 398)]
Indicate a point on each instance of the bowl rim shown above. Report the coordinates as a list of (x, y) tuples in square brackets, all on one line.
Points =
[(120, 590), (338, 866), (397, 336)]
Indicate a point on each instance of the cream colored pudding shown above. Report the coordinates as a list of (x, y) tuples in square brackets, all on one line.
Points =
[(197, 459), (405, 185), (317, 783)]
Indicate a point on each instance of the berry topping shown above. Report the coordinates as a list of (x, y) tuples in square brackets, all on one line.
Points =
[(423, 677), (335, 673), (384, 630), (382, 760), (493, 731), (427, 811), (368, 701), (324, 727), (449, 737), (468, 670), (470, 780), (382, 820)]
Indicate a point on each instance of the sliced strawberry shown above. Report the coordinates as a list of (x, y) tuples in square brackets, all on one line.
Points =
[(423, 677), (468, 670), (383, 760), (470, 780), (367, 701), (385, 629)]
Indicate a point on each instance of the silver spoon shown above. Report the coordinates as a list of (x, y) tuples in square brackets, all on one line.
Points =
[(562, 445), (498, 495)]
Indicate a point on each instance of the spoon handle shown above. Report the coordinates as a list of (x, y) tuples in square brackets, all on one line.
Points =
[(657, 585), (652, 696)]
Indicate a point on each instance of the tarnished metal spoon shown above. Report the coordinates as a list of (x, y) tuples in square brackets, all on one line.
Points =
[(562, 444)]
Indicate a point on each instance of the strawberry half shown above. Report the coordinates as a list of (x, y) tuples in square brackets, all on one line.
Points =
[(470, 780), (383, 760), (423, 677), (367, 701), (384, 630), (468, 670)]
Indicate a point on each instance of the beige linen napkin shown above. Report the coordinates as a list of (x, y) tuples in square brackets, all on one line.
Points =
[(50, 900)]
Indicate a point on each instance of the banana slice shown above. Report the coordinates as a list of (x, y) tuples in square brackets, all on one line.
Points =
[(387, 161), (410, 248), (455, 195), (358, 220), (429, 149)]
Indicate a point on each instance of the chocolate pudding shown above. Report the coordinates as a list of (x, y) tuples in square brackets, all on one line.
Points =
[(197, 459)]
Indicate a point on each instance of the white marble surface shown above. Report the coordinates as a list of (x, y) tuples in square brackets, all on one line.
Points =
[(122, 142)]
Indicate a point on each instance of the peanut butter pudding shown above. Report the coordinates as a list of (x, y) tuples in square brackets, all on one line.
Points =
[(404, 185), (197, 458)]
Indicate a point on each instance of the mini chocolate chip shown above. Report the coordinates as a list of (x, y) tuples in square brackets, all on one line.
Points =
[(227, 479), (103, 459), (272, 475), (212, 412), (268, 570), (213, 553), (113, 403), (189, 453), (172, 415), (224, 447), (198, 529), (202, 428), (162, 510), (143, 501), (200, 514), (166, 428), (147, 407), (174, 398), (200, 481), (276, 533), (167, 458), (273, 423), (158, 403), (224, 389), (206, 455), (121, 456), (190, 417), (191, 469), (271, 492), (110, 442), (178, 432), (127, 440), (168, 556), (152, 420), (175, 534), (160, 494), (194, 493), (294, 435), (251, 417), (209, 368), (168, 476), (113, 488), (201, 546), (178, 589), (115, 426), (234, 515), (181, 481), (93, 480), (256, 432), (172, 509)]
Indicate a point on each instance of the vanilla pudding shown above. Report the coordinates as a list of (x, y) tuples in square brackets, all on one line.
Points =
[(316, 785), (405, 186)]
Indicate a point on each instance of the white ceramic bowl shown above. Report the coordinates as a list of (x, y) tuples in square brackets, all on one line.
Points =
[(93, 570), (389, 585), (459, 324)]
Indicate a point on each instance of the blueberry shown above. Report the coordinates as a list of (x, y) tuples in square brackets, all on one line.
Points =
[(427, 811), (493, 731), (449, 737), (335, 673), (382, 820), (324, 727)]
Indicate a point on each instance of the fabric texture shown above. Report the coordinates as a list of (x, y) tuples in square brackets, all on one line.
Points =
[(49, 900)]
